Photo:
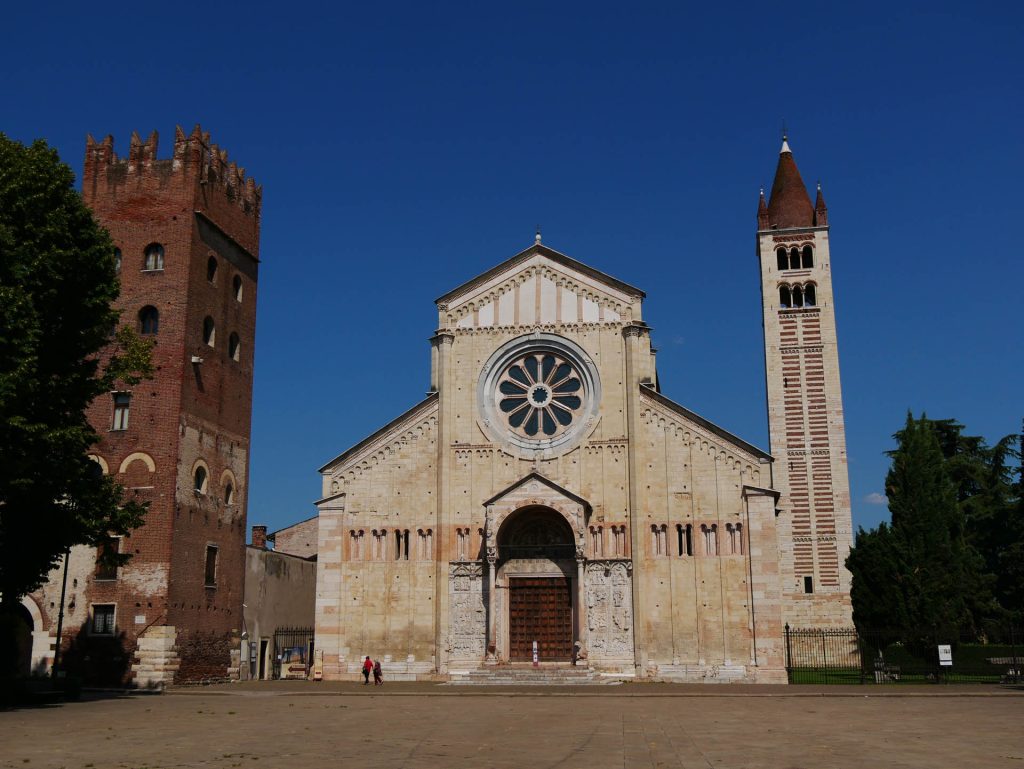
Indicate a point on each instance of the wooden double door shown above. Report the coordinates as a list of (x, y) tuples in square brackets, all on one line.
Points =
[(540, 609)]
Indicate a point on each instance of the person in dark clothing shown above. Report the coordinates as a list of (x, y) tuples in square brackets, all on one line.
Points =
[(378, 674), (367, 667)]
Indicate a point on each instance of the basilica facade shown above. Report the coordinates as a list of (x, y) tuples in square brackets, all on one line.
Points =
[(547, 503)]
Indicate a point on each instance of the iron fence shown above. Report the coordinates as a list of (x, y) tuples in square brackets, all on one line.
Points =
[(293, 652), (849, 656)]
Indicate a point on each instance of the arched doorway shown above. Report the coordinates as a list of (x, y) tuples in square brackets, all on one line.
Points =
[(16, 634), (536, 550)]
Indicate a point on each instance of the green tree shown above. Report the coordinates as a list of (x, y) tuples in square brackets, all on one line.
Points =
[(916, 576), (57, 286)]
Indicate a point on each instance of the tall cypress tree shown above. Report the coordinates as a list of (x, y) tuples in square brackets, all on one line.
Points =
[(935, 568)]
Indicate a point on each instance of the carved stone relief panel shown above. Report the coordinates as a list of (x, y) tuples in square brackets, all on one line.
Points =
[(609, 608), (468, 620)]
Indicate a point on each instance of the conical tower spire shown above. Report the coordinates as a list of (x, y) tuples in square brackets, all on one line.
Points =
[(762, 212), (790, 205), (820, 209)]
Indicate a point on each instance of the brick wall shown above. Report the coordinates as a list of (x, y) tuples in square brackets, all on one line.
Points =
[(199, 207)]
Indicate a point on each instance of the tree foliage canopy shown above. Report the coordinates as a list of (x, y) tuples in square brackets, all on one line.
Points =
[(57, 286), (951, 560)]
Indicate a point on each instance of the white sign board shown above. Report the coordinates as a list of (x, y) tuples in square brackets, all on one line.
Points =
[(945, 655), (536, 655)]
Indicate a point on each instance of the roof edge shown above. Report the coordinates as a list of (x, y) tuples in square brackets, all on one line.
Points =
[(550, 253), (707, 424), (431, 398)]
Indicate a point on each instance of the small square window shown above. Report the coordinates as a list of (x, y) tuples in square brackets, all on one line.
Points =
[(211, 566), (103, 619)]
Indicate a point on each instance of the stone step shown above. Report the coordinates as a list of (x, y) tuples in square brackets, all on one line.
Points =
[(528, 677)]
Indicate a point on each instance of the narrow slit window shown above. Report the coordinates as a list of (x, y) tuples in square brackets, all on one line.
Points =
[(211, 270), (211, 565)]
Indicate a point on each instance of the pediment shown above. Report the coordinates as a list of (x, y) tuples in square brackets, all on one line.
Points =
[(535, 486), (539, 286)]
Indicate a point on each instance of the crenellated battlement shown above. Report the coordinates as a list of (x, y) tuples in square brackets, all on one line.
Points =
[(195, 162)]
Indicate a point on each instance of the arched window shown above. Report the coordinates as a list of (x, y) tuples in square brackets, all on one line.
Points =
[(810, 296), (117, 261), (154, 257), (149, 320), (199, 480), (808, 257), (233, 346), (783, 259), (794, 259), (798, 296), (209, 331), (236, 285), (785, 301), (211, 270), (229, 494)]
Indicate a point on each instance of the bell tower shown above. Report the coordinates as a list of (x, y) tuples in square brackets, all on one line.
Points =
[(805, 405)]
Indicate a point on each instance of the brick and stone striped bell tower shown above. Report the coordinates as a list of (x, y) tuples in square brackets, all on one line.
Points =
[(805, 405)]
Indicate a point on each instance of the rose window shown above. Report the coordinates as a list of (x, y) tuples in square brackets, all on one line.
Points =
[(540, 395)]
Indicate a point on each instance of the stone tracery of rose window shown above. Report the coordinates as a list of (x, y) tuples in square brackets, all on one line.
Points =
[(539, 395)]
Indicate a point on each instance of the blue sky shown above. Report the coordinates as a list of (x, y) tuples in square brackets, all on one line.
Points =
[(406, 147)]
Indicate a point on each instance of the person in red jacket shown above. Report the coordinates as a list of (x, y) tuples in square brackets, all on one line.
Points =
[(367, 669)]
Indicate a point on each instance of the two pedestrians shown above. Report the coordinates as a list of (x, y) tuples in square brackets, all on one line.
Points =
[(369, 666)]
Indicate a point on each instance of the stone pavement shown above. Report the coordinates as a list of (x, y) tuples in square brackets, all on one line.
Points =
[(342, 725)]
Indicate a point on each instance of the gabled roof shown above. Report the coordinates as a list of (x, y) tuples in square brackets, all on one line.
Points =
[(550, 253), (708, 425), (421, 406), (535, 476)]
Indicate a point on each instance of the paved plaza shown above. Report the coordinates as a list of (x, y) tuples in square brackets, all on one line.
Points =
[(308, 725)]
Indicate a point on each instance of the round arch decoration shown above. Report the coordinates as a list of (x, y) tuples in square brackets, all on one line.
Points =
[(141, 456), (101, 462)]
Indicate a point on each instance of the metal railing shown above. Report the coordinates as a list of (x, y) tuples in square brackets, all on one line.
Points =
[(849, 656)]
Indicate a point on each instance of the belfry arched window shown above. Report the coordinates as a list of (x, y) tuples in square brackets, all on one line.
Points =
[(783, 259), (810, 296), (794, 259), (798, 296), (785, 298), (808, 257)]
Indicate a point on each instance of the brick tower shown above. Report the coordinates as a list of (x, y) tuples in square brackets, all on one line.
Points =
[(187, 236), (805, 407)]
